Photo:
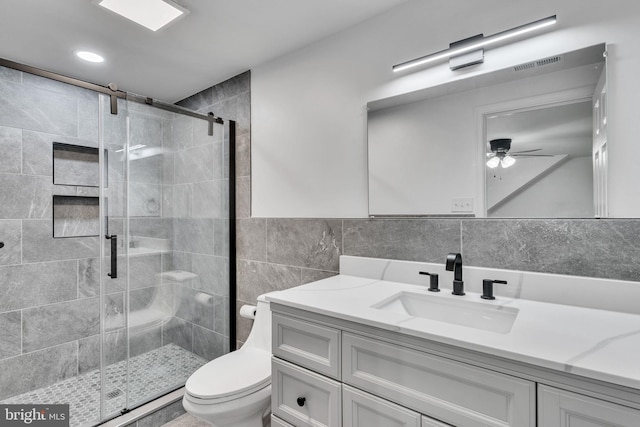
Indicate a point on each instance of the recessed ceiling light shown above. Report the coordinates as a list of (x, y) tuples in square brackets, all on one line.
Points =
[(89, 56), (153, 14)]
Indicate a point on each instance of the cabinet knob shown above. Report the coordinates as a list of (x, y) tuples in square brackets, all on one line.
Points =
[(1, 245), (301, 401)]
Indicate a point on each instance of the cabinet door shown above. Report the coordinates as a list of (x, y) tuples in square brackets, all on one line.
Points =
[(360, 409), (560, 408)]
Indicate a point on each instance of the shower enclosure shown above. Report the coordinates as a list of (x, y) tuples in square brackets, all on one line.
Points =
[(115, 267)]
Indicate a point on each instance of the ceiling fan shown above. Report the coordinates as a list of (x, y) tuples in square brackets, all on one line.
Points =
[(500, 153)]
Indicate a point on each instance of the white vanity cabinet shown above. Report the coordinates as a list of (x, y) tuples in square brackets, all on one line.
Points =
[(323, 376), (327, 372)]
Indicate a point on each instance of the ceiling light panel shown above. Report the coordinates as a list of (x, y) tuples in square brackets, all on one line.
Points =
[(153, 14)]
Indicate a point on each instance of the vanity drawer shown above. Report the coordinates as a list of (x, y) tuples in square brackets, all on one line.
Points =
[(559, 408), (304, 398), (307, 344), (430, 422), (360, 409), (277, 422), (456, 393)]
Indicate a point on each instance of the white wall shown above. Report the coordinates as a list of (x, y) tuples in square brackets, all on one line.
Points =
[(308, 108), (561, 193)]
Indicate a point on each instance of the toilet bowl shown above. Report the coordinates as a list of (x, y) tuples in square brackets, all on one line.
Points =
[(235, 389)]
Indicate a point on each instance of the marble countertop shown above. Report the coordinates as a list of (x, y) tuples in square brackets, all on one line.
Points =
[(590, 342)]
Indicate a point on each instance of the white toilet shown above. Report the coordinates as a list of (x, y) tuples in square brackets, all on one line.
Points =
[(235, 389)]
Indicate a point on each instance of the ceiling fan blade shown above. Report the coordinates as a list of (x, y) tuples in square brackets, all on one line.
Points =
[(525, 151), (531, 155)]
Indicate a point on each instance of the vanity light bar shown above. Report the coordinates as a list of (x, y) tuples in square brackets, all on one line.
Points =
[(485, 41)]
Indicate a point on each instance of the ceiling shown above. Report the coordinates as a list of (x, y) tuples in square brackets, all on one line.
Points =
[(215, 41), (555, 129)]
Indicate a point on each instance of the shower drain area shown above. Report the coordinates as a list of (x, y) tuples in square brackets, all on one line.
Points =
[(148, 375), (113, 394)]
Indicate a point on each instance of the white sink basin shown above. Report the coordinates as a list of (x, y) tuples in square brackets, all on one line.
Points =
[(476, 315)]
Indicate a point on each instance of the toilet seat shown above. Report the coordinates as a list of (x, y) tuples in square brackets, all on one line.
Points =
[(231, 376)]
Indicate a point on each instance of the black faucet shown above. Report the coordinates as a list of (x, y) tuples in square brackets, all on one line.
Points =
[(433, 281), (487, 288), (454, 263)]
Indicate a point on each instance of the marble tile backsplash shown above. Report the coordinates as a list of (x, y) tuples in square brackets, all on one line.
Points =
[(581, 247)]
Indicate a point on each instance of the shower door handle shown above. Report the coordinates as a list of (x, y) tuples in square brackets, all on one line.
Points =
[(114, 255)]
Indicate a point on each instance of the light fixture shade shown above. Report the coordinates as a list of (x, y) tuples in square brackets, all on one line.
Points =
[(493, 162), (153, 14), (507, 161)]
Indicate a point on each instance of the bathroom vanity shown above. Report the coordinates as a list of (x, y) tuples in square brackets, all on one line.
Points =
[(372, 347)]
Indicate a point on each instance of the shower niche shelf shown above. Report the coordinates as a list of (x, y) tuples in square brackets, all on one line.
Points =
[(75, 216), (76, 165)]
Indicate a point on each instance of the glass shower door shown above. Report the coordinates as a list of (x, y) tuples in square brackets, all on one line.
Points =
[(176, 249), (164, 197), (114, 143), (114, 245)]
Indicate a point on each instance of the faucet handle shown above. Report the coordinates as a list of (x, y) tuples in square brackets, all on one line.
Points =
[(487, 288), (433, 281)]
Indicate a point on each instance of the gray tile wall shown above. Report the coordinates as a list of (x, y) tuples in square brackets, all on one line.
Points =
[(48, 290), (278, 253)]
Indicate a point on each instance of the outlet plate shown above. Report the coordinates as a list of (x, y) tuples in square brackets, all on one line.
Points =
[(462, 205)]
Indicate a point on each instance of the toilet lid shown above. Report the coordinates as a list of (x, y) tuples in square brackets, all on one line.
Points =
[(234, 373)]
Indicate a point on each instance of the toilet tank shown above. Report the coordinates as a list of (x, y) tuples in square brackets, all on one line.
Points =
[(260, 335)]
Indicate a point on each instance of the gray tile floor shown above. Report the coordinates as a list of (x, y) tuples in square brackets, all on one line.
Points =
[(149, 374), (186, 420)]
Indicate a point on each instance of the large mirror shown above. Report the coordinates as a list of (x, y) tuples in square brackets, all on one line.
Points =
[(529, 141)]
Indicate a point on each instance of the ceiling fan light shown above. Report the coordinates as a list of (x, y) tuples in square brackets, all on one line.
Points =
[(508, 161), (493, 162)]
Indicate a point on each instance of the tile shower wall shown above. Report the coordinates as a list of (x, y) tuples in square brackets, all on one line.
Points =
[(279, 253), (48, 287)]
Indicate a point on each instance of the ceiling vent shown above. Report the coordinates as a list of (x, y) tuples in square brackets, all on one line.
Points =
[(539, 63)]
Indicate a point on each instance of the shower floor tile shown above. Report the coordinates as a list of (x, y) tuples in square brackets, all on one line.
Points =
[(150, 374)]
